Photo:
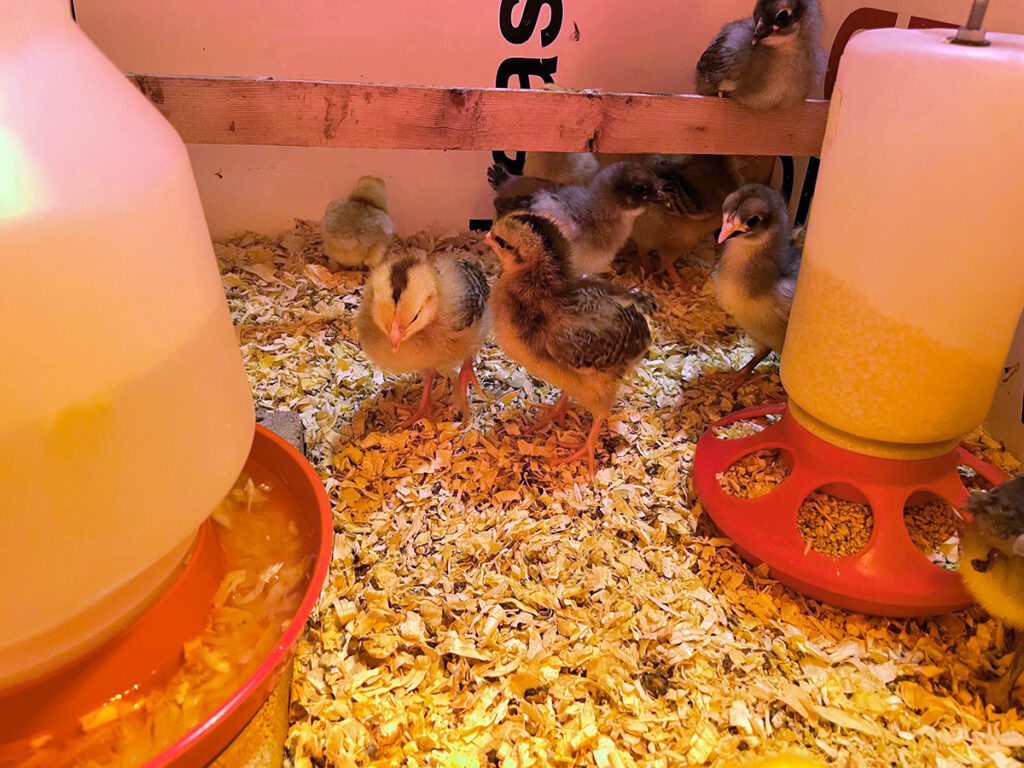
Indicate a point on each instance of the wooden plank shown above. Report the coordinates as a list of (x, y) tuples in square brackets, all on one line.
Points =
[(309, 113)]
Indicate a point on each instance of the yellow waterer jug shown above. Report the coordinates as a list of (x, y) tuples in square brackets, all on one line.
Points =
[(125, 413), (911, 285)]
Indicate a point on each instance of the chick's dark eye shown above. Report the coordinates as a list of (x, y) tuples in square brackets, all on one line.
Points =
[(502, 242), (782, 18), (640, 190), (753, 221)]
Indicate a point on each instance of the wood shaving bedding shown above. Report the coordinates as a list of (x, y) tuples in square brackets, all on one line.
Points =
[(485, 609)]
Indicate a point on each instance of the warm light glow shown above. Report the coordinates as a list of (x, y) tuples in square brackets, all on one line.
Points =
[(20, 187)]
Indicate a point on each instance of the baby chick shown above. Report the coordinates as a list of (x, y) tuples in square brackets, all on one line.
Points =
[(579, 334), (358, 231), (422, 312), (769, 61), (596, 219), (695, 188), (755, 276), (992, 567)]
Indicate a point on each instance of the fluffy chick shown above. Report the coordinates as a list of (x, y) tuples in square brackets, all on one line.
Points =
[(769, 61), (423, 312), (357, 231), (755, 276), (992, 567), (579, 334), (596, 219), (695, 187)]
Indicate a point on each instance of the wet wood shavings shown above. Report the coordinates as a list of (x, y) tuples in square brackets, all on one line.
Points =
[(485, 609)]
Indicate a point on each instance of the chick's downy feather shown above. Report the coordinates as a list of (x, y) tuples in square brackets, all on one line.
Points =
[(596, 219), (438, 302), (357, 231), (770, 61), (992, 568), (755, 276), (992, 551), (579, 334)]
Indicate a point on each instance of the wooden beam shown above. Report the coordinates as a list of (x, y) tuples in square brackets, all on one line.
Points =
[(310, 113)]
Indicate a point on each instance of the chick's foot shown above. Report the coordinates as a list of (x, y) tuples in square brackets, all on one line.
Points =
[(665, 267), (467, 378), (550, 413), (426, 406), (586, 450)]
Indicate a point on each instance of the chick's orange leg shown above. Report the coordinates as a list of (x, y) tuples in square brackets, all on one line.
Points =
[(586, 450), (467, 378), (646, 259), (427, 404), (549, 413), (733, 380), (759, 354)]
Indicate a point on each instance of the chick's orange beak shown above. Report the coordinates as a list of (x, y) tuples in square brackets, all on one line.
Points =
[(490, 240), (395, 335), (728, 227)]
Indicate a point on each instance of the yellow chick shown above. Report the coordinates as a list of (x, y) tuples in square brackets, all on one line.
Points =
[(424, 312), (582, 335), (992, 567), (357, 231)]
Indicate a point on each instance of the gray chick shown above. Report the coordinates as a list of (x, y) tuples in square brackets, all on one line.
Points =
[(596, 219), (992, 568), (755, 276), (579, 334), (769, 61)]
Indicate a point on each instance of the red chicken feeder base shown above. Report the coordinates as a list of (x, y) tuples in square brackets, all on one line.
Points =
[(890, 576)]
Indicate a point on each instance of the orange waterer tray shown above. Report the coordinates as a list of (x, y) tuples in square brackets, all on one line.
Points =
[(152, 645)]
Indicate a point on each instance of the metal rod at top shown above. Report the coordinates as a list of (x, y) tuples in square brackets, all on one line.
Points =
[(972, 33)]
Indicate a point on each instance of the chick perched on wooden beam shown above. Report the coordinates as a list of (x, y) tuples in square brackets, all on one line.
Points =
[(357, 231), (424, 312), (595, 220), (579, 334), (992, 567), (771, 60)]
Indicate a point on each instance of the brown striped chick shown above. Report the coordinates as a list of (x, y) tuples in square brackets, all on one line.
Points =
[(579, 334), (992, 567), (695, 187), (357, 231), (423, 312)]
